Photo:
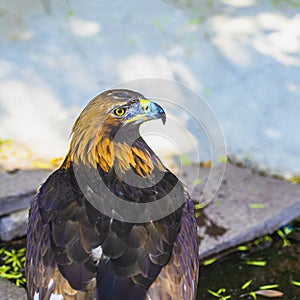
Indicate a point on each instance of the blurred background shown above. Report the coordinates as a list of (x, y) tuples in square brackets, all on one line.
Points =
[(243, 56)]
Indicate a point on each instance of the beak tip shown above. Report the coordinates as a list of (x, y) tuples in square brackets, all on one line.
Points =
[(162, 114)]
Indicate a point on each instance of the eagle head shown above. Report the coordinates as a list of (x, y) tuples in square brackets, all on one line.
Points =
[(106, 131)]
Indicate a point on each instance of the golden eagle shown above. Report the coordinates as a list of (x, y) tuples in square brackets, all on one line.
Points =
[(75, 250)]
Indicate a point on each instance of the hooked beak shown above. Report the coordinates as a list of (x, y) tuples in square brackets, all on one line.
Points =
[(147, 111)]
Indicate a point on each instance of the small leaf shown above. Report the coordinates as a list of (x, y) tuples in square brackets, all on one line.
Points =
[(7, 253), (294, 179), (199, 206), (209, 261), (286, 243), (270, 286), (267, 238), (257, 205), (197, 214), (196, 181), (253, 295), (280, 233), (287, 229), (243, 248), (296, 283), (214, 293), (246, 284), (18, 282), (221, 290), (269, 293), (223, 159), (257, 263)]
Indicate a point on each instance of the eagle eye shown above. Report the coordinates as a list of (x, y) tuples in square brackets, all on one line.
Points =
[(120, 111)]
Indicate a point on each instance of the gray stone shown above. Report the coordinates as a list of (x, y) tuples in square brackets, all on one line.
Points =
[(17, 189), (233, 217), (9, 291), (13, 225)]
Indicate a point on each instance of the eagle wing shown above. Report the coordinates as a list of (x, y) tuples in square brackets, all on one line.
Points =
[(56, 241), (179, 278), (65, 230)]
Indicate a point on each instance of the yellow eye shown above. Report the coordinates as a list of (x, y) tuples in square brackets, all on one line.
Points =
[(120, 111)]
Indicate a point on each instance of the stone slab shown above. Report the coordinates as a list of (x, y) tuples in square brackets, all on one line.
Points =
[(9, 291), (246, 206), (14, 225), (17, 189)]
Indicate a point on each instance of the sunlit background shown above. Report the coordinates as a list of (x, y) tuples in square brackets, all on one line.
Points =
[(243, 56)]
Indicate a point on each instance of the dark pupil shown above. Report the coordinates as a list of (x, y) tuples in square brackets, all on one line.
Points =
[(120, 111)]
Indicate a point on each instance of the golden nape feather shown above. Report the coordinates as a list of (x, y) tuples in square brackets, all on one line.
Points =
[(75, 251)]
